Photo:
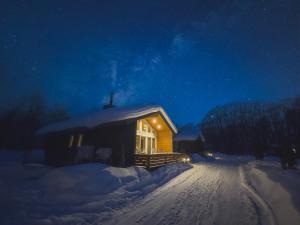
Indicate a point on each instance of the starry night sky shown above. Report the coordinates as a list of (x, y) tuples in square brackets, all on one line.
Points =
[(185, 55)]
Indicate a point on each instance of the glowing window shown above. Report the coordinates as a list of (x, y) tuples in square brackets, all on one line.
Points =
[(71, 140), (80, 138)]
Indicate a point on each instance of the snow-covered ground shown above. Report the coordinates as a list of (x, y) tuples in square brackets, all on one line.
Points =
[(36, 194), (280, 189), (228, 190)]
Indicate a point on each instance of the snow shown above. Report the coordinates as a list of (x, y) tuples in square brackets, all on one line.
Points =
[(107, 116), (189, 135), (279, 188), (36, 194), (229, 190)]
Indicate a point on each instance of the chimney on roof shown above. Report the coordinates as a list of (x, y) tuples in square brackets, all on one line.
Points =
[(110, 102)]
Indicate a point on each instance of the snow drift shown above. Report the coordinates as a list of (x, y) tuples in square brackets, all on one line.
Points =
[(35, 194)]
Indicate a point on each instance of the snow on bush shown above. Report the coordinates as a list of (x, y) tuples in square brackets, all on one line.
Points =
[(84, 153), (103, 154)]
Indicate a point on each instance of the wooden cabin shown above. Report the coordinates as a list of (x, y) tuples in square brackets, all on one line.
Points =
[(121, 136), (189, 141)]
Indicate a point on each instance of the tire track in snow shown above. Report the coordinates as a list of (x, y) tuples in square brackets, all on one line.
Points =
[(187, 201), (267, 209), (207, 194)]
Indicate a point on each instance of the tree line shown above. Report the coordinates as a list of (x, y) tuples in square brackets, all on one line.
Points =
[(19, 122), (253, 127)]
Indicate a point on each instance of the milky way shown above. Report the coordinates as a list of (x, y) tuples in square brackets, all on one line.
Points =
[(185, 55)]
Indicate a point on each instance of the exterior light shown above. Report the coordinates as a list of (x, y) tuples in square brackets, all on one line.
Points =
[(154, 120), (186, 159), (158, 126)]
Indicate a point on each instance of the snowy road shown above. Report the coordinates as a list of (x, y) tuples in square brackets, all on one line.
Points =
[(230, 190), (205, 194)]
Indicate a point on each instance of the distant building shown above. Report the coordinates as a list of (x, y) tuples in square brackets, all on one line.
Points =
[(189, 141), (122, 136)]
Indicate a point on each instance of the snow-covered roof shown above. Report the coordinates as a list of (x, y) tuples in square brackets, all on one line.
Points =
[(189, 135), (107, 116)]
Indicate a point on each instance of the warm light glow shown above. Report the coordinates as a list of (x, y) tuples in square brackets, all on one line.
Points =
[(154, 121), (186, 159), (158, 126)]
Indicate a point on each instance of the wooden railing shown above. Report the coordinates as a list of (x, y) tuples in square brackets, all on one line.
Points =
[(160, 159)]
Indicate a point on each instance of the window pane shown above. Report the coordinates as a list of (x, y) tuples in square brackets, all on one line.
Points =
[(149, 145), (80, 137), (138, 144), (143, 142), (145, 127), (153, 142), (71, 141)]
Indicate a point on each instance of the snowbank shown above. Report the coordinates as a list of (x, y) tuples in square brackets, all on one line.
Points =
[(279, 188), (42, 195)]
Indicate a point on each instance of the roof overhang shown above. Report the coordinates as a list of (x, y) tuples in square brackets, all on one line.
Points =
[(106, 117)]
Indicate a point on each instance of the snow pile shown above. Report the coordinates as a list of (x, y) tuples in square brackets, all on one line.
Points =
[(67, 195), (278, 188), (107, 116)]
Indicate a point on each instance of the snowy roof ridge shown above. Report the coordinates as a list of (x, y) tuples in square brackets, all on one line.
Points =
[(189, 135), (107, 116)]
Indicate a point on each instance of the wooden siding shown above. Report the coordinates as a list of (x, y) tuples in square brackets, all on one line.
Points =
[(165, 141), (157, 160), (120, 137)]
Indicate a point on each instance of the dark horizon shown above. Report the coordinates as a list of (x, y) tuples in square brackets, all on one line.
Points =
[(186, 56)]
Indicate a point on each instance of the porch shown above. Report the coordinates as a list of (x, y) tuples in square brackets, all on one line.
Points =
[(159, 159)]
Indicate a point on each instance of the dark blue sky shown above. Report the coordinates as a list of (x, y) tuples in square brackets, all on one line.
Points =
[(185, 55)]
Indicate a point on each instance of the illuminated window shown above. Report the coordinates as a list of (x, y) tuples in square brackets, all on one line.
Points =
[(71, 140), (138, 142), (153, 143), (146, 137), (143, 144), (149, 145), (145, 127), (80, 137)]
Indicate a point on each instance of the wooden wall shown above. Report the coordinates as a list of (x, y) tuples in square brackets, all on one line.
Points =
[(120, 137), (165, 141)]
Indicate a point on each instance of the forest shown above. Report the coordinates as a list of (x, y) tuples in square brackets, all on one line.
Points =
[(20, 121), (256, 128)]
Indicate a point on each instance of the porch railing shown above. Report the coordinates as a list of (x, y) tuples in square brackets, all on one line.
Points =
[(159, 159)]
